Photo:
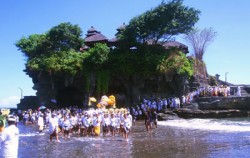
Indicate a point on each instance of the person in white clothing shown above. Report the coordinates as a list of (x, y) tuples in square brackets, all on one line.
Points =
[(97, 124), (113, 124), (130, 117), (127, 126), (9, 139), (40, 123), (88, 124), (66, 127), (53, 127), (238, 91), (105, 124), (17, 118)]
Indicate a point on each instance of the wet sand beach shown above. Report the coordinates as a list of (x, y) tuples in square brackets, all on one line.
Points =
[(165, 141)]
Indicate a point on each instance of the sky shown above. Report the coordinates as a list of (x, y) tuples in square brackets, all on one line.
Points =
[(227, 54)]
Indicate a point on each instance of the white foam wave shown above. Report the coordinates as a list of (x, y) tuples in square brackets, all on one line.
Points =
[(87, 139), (209, 124), (30, 134)]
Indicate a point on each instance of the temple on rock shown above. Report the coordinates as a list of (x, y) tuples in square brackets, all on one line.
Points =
[(70, 90), (93, 36)]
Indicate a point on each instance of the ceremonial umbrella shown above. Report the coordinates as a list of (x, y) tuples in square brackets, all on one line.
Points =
[(42, 107)]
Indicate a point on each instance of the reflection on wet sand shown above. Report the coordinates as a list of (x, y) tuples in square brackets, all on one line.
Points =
[(161, 142)]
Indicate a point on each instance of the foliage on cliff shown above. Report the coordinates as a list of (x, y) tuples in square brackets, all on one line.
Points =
[(160, 24), (56, 52), (96, 64), (177, 62), (67, 62), (140, 50)]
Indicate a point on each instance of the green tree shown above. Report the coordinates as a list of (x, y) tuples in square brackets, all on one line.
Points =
[(178, 63), (97, 56), (33, 46), (63, 37), (160, 24), (54, 52)]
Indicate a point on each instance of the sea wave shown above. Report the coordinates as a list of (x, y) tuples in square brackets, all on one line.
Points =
[(209, 124), (30, 134)]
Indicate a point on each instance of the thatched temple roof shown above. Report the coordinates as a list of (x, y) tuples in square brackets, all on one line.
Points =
[(94, 36)]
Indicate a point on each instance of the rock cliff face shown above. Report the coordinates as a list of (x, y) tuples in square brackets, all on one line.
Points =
[(216, 107), (128, 90), (223, 103)]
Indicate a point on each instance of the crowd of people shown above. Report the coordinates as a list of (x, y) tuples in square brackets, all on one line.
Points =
[(75, 121), (160, 104), (222, 90)]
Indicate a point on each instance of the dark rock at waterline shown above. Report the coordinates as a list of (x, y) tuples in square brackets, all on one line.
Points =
[(223, 103), (167, 115), (187, 113), (213, 107)]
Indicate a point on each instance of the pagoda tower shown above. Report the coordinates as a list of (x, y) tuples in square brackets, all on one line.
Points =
[(92, 37)]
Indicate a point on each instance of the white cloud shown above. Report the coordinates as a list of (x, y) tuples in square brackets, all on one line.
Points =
[(10, 102)]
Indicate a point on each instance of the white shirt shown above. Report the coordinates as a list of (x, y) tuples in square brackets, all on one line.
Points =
[(87, 121), (130, 118), (40, 121), (73, 120), (97, 121), (66, 124), (106, 121), (113, 121), (9, 141), (127, 123), (53, 124)]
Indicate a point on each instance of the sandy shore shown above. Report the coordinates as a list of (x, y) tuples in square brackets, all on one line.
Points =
[(161, 142)]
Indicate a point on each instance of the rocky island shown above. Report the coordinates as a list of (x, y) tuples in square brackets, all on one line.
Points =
[(141, 61), (213, 107)]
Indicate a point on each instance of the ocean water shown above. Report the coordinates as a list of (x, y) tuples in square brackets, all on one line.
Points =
[(231, 125), (187, 138), (219, 137)]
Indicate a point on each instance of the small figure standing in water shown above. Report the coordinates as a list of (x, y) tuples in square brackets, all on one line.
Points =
[(53, 128), (148, 120), (66, 127), (113, 124), (127, 126), (105, 124), (40, 123), (155, 118)]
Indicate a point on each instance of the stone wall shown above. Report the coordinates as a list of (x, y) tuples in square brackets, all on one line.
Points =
[(223, 103), (216, 107)]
